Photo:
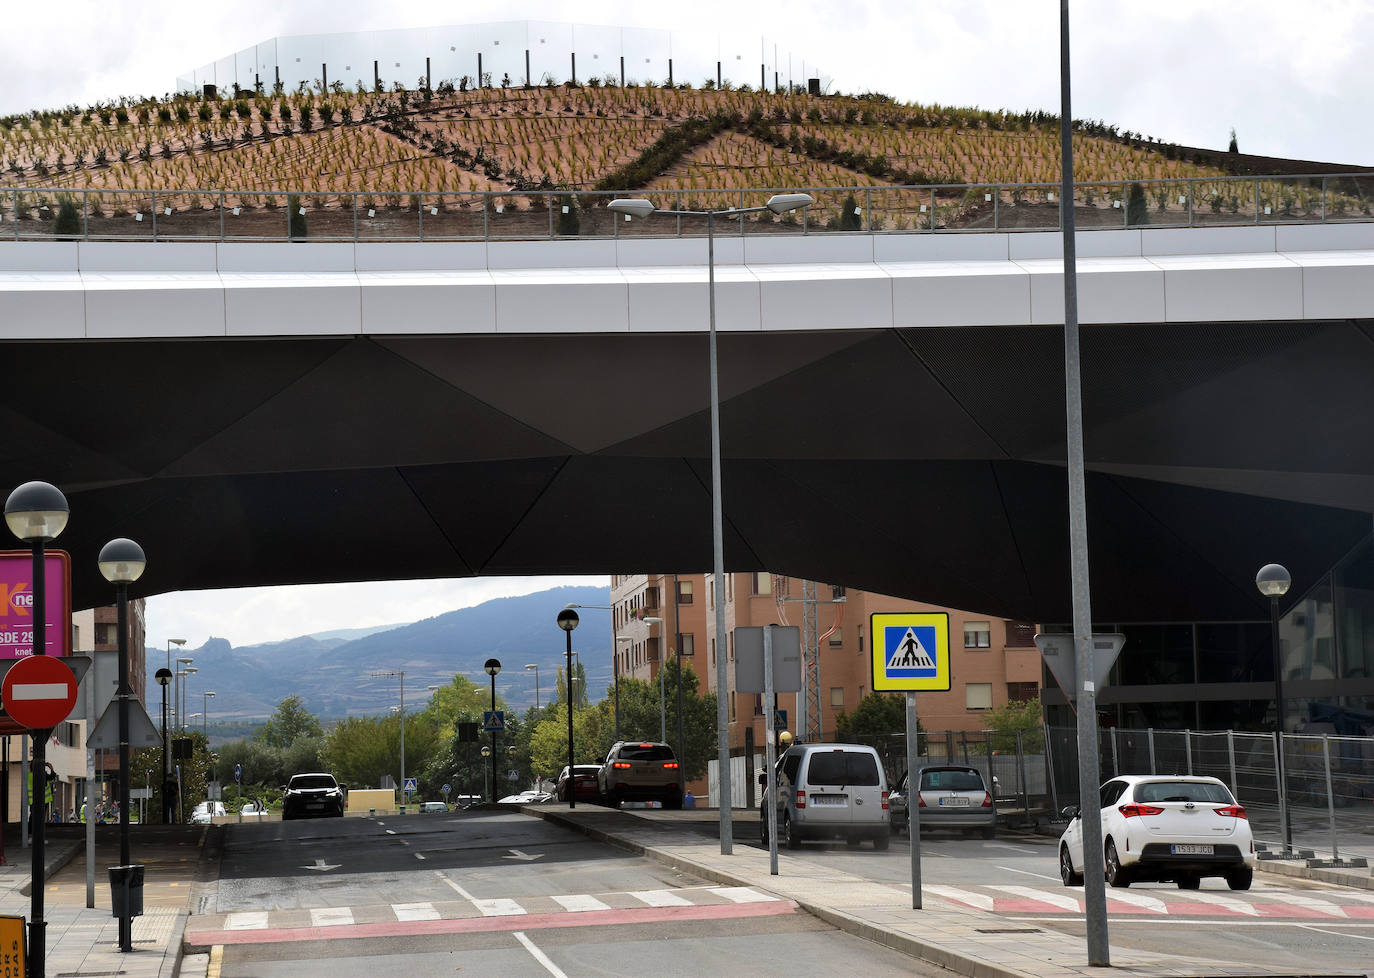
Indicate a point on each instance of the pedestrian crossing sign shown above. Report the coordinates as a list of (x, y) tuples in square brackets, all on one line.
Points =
[(910, 651)]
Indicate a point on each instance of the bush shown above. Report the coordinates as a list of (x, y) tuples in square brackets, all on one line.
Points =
[(295, 225), (569, 224), (1137, 209), (68, 224)]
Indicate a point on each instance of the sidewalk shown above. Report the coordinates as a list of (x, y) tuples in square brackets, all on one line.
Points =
[(965, 942), (85, 940)]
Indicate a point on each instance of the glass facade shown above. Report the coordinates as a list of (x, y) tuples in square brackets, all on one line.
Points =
[(1220, 675)]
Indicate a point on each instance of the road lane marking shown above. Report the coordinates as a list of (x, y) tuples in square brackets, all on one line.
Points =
[(1026, 872), (540, 956), (580, 903), (1335, 933), (1061, 900), (500, 907), (330, 916), (415, 911), (419, 855), (246, 920), (460, 891), (741, 894), (1122, 895), (659, 898), (980, 900)]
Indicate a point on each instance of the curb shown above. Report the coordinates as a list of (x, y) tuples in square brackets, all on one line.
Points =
[(54, 863), (841, 921), (1337, 876)]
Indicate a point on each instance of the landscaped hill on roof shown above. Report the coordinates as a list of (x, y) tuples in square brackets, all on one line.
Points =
[(432, 151)]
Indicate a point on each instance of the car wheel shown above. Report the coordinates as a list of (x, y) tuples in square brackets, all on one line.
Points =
[(1188, 882), (990, 832), (1116, 876), (673, 800), (1240, 879), (791, 833), (851, 841), (881, 841), (1066, 871), (763, 828), (613, 800)]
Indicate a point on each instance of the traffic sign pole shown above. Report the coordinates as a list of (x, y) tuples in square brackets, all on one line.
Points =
[(38, 938)]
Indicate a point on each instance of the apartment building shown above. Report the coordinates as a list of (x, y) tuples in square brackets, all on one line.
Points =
[(992, 660)]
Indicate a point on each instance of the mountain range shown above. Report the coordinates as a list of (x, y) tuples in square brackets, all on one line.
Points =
[(332, 672)]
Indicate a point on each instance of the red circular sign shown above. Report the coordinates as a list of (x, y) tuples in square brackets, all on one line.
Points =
[(39, 691)]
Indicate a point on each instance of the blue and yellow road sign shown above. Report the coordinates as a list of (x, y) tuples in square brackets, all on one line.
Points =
[(910, 651)]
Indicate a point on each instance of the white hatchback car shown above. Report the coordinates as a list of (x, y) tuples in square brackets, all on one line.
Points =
[(1164, 828)]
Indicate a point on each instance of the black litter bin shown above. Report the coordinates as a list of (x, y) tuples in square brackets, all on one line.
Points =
[(126, 890)]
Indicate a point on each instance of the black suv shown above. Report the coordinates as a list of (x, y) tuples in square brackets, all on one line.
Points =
[(312, 794), (640, 772)]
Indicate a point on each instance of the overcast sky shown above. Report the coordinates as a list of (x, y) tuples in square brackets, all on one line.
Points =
[(1292, 78)]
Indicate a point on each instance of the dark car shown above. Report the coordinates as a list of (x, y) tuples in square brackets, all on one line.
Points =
[(312, 795), (584, 787), (640, 772)]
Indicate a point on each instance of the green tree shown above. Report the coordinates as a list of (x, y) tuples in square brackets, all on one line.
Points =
[(1014, 717), (145, 770), (548, 750), (290, 721), (295, 219), (1233, 148), (68, 224), (880, 722), (360, 751)]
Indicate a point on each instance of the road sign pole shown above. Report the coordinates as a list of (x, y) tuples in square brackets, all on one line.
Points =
[(769, 754), (913, 799), (37, 926)]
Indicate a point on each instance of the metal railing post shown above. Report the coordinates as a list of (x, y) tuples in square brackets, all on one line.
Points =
[(996, 207), (868, 207), (1330, 796), (1049, 768), (1192, 193), (154, 215), (85, 215), (1323, 199), (1231, 756), (221, 215), (1150, 736), (1279, 788), (1257, 203), (420, 205), (1116, 755), (1188, 749), (1125, 205), (486, 216)]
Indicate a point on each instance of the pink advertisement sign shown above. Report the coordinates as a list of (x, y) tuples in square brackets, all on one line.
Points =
[(16, 603)]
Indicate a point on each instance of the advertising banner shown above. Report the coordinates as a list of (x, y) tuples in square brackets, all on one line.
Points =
[(16, 603)]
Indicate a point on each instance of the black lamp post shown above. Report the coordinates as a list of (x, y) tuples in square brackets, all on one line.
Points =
[(163, 677), (567, 620), (1273, 581), (493, 666), (121, 563), (37, 512)]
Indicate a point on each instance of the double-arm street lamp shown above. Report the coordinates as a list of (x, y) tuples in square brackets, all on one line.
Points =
[(205, 699), (777, 204)]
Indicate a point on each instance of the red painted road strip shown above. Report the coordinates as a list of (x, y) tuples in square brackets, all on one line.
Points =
[(509, 922)]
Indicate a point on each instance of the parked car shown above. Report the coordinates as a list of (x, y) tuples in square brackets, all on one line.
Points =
[(315, 794), (1164, 828), (433, 808), (645, 771), (205, 812), (828, 791), (253, 808), (583, 782), (953, 796)]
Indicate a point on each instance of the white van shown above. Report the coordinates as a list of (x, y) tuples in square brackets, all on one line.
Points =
[(829, 791)]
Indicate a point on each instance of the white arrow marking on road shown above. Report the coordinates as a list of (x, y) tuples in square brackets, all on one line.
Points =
[(322, 867), (525, 856)]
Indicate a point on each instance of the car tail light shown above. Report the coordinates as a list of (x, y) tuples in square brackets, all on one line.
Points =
[(921, 800), (670, 765), (987, 799), (884, 801), (1132, 810), (621, 765), (1234, 811), (801, 798)]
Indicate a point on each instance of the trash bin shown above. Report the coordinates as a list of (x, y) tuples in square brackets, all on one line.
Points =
[(689, 800), (126, 889)]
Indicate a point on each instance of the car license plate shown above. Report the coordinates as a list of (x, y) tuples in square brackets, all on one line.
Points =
[(315, 804), (1184, 850), (954, 802)]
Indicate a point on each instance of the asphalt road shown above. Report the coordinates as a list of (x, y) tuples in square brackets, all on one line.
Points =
[(495, 894)]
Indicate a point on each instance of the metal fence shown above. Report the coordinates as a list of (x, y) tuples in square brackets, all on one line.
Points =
[(46, 213)]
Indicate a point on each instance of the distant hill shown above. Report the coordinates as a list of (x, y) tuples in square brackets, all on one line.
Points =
[(331, 672)]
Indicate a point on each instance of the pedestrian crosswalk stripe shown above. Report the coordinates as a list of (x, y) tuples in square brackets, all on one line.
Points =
[(980, 900), (1230, 903), (1153, 904), (1312, 903), (246, 920), (660, 898), (330, 916), (580, 902), (741, 894), (499, 908), (415, 911), (1060, 900)]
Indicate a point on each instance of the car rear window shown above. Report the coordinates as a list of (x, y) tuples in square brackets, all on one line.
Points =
[(646, 752), (1182, 791), (843, 767), (313, 781), (955, 780)]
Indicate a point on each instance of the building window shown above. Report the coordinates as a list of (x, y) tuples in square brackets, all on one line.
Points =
[(733, 697), (859, 633), (1021, 692), (977, 635), (730, 643), (978, 696), (686, 644), (651, 598), (1020, 635), (836, 592), (837, 696), (729, 587), (763, 583), (713, 653), (711, 594), (837, 636), (684, 592), (758, 704)]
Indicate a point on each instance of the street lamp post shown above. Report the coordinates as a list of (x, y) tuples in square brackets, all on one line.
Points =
[(616, 664), (777, 204), (36, 512), (178, 642), (182, 663), (399, 674), (493, 668), (487, 752), (567, 620), (1273, 581), (163, 677), (535, 667), (121, 562), (185, 694), (205, 699)]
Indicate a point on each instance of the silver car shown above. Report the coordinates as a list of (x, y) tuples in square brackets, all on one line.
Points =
[(953, 796)]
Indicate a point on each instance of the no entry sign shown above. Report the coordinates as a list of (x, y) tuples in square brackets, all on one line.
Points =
[(39, 691)]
